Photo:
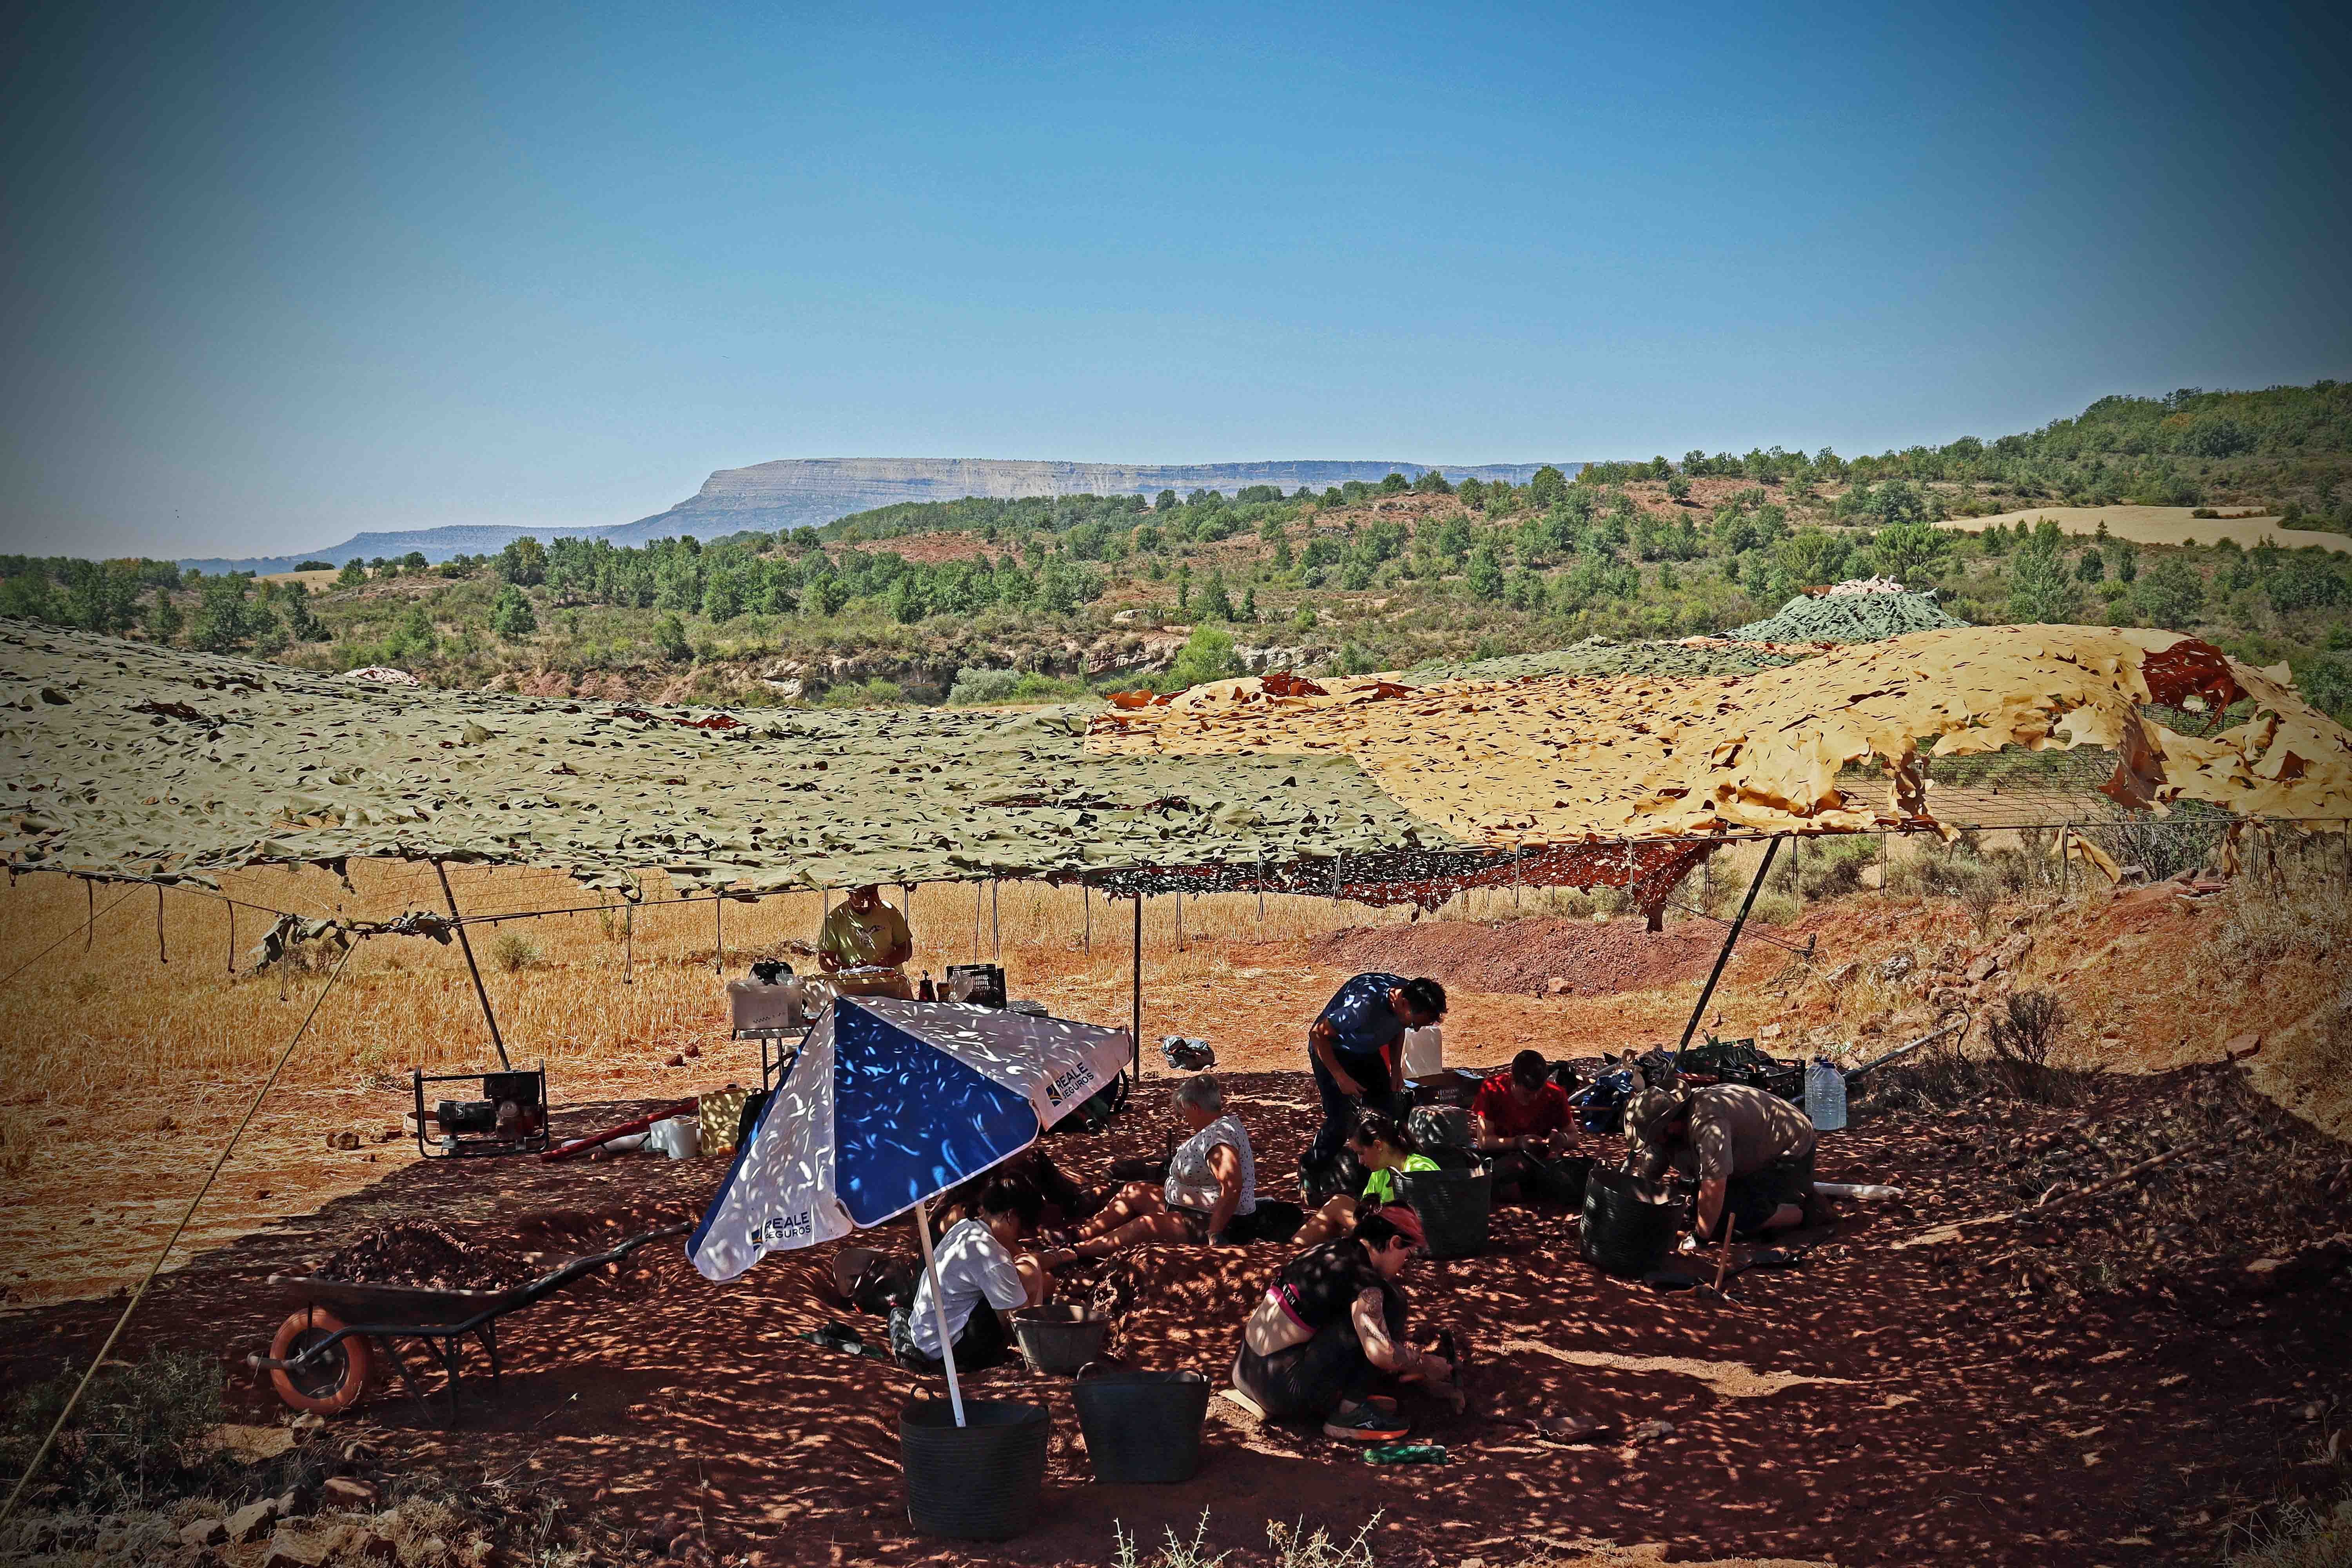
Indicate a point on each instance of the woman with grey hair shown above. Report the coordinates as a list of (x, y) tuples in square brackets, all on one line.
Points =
[(1211, 1193)]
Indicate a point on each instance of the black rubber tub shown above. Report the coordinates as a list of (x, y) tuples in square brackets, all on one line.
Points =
[(1454, 1206), (1059, 1340), (1142, 1427), (979, 1481), (1625, 1232)]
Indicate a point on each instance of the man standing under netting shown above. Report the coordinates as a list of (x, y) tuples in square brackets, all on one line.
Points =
[(1355, 1051)]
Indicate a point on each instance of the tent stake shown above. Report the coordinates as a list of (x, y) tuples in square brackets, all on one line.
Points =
[(160, 955), (474, 969), (940, 1311), (1134, 1068), (1730, 937)]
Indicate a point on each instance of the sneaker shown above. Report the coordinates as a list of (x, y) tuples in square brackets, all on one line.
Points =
[(1366, 1424)]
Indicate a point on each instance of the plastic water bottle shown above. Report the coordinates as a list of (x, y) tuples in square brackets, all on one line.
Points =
[(1825, 1096)]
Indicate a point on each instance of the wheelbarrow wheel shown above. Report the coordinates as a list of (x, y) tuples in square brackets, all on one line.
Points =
[(336, 1380)]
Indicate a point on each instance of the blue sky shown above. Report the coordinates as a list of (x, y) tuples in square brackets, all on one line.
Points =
[(280, 273)]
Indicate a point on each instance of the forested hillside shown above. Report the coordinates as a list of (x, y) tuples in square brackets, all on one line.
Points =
[(997, 600)]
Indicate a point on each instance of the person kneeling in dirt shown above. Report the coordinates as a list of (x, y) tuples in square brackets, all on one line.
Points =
[(1523, 1123), (1211, 1193), (1752, 1153), (1382, 1148), (980, 1286), (1330, 1327)]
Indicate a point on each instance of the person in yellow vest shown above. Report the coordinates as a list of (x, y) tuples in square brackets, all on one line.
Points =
[(865, 945)]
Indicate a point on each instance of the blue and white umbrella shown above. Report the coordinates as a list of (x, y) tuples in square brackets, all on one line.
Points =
[(889, 1104)]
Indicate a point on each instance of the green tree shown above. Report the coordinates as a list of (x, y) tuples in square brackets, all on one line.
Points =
[(905, 600), (1812, 556), (223, 620), (2123, 559), (523, 563), (1433, 483), (511, 616), (1207, 655), (1546, 488), (353, 573), (669, 639), (1679, 488), (300, 623), (2040, 589), (2170, 593), (163, 617), (2090, 567), (1911, 551), (1483, 576), (1394, 484)]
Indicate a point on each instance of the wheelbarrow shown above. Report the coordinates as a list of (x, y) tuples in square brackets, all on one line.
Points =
[(324, 1356)]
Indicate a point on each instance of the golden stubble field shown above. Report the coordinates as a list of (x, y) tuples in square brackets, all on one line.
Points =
[(124, 1074)]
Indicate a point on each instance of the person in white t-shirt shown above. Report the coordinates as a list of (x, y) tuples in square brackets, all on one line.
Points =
[(1210, 1194), (980, 1285)]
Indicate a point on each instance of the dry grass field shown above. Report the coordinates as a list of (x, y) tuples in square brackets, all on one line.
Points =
[(2161, 525), (125, 1073)]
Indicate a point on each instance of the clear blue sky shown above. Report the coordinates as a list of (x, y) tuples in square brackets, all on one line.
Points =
[(278, 274)]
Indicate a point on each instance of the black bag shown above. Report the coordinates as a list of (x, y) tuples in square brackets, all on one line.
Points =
[(1273, 1220)]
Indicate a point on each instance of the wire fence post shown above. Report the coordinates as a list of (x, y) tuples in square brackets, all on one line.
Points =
[(161, 957), (1086, 913), (89, 930), (719, 929), (231, 965), (996, 919)]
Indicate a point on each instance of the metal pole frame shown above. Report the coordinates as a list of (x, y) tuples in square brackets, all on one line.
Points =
[(1135, 1023), (1707, 992), (480, 990)]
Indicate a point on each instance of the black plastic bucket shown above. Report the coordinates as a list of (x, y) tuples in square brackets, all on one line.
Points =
[(979, 1481), (1454, 1206), (1142, 1427), (1624, 1232), (1059, 1340)]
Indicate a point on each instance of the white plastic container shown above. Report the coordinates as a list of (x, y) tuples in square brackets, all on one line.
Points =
[(1825, 1096), (680, 1137), (754, 1005), (1424, 1051)]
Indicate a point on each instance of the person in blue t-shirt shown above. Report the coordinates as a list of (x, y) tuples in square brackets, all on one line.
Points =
[(1353, 1050)]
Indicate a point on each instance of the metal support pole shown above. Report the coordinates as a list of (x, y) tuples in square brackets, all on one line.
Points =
[(939, 1309), (474, 969), (1087, 910), (719, 927), (232, 939), (1707, 993), (90, 930), (1180, 919), (1135, 1066), (160, 955), (975, 923), (629, 942), (995, 921)]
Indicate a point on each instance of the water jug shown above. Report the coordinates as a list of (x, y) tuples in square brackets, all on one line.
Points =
[(1825, 1096)]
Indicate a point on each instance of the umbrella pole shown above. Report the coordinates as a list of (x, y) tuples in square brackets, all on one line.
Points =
[(940, 1311), (1134, 1065)]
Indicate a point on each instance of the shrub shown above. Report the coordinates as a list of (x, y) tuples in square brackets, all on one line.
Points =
[(132, 1438), (513, 951), (2022, 1035)]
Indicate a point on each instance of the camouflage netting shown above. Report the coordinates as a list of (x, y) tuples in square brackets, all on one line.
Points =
[(1599, 656), (125, 761), (1848, 618)]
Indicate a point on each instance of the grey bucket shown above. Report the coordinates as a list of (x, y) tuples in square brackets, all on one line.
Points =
[(1059, 1340), (1142, 1427), (979, 1481)]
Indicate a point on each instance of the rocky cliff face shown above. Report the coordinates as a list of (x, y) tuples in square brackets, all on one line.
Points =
[(810, 492)]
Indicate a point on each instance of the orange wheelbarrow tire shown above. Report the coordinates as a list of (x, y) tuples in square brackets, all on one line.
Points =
[(330, 1385)]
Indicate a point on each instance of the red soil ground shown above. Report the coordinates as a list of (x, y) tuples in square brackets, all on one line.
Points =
[(1868, 1407)]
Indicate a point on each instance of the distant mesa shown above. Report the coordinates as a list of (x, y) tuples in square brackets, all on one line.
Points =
[(808, 493)]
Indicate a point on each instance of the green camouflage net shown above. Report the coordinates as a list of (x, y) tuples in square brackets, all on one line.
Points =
[(1848, 618)]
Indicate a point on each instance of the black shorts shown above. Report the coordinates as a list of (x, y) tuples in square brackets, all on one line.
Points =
[(1752, 1199)]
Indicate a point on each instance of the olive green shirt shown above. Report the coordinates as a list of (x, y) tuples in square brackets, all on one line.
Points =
[(1734, 1131), (878, 937)]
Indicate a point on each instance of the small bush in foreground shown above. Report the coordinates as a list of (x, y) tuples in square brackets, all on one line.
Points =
[(130, 1442), (514, 952)]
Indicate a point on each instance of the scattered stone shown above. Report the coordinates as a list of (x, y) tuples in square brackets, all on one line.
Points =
[(389, 1134), (1652, 1430), (310, 1421), (205, 1532), (1837, 977), (293, 1503), (691, 1051), (676, 1060), (368, 1546), (1896, 966), (349, 1492), (1768, 1032), (1559, 985), (346, 1138), (290, 1549), (252, 1521), (358, 1453), (1984, 968)]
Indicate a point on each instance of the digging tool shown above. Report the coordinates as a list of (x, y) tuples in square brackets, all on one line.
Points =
[(1954, 1021)]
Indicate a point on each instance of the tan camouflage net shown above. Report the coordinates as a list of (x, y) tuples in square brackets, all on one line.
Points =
[(1550, 760), (122, 761)]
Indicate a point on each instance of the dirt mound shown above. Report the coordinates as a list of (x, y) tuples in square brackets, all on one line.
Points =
[(2195, 1188), (1525, 956), (424, 1254)]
